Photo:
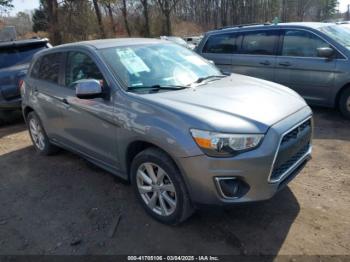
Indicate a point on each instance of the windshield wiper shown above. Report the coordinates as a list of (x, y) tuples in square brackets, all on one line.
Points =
[(201, 79), (156, 88)]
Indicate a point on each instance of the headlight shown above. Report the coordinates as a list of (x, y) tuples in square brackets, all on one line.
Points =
[(224, 145)]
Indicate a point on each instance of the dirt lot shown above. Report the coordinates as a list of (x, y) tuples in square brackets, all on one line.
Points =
[(64, 205)]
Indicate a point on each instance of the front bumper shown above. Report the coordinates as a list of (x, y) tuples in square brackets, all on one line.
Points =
[(253, 168)]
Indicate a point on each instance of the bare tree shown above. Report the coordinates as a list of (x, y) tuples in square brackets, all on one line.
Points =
[(111, 17), (99, 18), (74, 20), (125, 17), (54, 31), (108, 5), (167, 6), (146, 17)]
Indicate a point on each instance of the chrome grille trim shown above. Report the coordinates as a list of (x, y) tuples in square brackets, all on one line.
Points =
[(296, 164)]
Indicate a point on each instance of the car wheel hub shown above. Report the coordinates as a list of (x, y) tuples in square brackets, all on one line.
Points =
[(156, 189), (37, 134)]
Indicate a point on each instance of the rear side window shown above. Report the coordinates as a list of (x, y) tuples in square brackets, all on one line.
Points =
[(221, 44), (35, 69), (50, 67), (259, 43), (12, 56), (301, 44)]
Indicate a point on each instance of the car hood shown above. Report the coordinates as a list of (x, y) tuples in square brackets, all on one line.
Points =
[(234, 104)]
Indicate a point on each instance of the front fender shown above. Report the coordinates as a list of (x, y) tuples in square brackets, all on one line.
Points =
[(140, 121)]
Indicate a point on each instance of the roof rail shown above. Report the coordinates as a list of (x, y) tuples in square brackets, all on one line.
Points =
[(243, 25)]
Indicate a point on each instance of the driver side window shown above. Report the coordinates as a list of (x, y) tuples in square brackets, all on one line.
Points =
[(301, 44), (80, 66)]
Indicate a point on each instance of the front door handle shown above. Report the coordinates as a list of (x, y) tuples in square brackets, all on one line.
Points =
[(266, 63), (286, 64), (65, 101)]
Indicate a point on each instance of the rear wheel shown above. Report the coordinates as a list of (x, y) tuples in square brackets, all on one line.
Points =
[(344, 103), (159, 187), (37, 134)]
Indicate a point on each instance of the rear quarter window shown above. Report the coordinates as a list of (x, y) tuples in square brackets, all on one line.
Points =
[(35, 69), (221, 44)]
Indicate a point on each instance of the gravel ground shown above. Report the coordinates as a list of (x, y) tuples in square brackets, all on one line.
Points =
[(64, 205)]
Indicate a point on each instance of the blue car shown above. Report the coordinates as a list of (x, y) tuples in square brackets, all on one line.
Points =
[(15, 57)]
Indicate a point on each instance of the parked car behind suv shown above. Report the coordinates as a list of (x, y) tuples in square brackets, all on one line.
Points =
[(15, 57), (157, 114), (311, 58)]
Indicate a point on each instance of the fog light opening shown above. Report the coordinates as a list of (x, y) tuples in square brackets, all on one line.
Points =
[(231, 187)]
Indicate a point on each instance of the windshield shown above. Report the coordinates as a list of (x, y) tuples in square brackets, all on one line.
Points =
[(12, 56), (157, 64), (338, 33)]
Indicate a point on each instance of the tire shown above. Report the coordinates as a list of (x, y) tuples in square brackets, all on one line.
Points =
[(169, 190), (38, 136), (344, 103)]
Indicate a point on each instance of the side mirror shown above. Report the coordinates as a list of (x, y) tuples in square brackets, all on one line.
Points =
[(88, 88), (325, 52)]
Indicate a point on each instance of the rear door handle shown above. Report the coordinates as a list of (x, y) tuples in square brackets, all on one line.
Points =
[(286, 64), (266, 63)]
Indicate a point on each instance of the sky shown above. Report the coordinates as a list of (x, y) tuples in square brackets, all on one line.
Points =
[(27, 5), (343, 5)]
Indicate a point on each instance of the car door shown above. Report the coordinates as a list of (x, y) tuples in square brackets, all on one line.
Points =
[(257, 54), (44, 86), (220, 48), (88, 124), (300, 68)]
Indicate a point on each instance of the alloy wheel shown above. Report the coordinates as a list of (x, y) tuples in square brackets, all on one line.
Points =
[(156, 189), (37, 133)]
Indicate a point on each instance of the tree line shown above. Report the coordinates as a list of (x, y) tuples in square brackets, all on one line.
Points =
[(74, 20)]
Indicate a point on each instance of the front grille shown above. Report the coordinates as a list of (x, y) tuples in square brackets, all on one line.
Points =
[(294, 145), (278, 172), (294, 133)]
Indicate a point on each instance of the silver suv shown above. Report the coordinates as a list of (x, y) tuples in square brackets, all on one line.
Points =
[(310, 58), (157, 114)]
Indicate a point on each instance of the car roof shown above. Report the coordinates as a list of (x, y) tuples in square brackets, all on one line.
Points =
[(26, 42), (114, 42), (313, 25)]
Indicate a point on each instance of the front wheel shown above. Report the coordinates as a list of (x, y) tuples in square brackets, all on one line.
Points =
[(344, 103), (38, 135), (159, 187)]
